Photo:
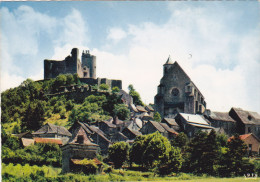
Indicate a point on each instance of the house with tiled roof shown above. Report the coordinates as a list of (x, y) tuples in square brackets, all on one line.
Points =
[(79, 147), (246, 121), (223, 121), (191, 123), (252, 142), (153, 126), (94, 134), (171, 123), (52, 131), (57, 141), (130, 133)]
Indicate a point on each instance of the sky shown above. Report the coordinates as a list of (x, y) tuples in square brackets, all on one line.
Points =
[(216, 43)]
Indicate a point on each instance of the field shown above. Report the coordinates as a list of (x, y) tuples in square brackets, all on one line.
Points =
[(18, 172)]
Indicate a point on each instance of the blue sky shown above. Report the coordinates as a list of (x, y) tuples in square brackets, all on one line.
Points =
[(132, 41)]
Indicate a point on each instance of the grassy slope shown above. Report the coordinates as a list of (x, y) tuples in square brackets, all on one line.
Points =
[(53, 174)]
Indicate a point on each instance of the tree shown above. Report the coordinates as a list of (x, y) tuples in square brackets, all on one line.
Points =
[(157, 117), (90, 111), (137, 150), (121, 111), (233, 163), (118, 153), (196, 148), (136, 96), (211, 154), (174, 162), (103, 87), (33, 118), (181, 140)]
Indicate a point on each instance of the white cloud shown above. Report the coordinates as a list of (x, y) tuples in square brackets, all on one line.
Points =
[(224, 65), (72, 30), (116, 34), (23, 29)]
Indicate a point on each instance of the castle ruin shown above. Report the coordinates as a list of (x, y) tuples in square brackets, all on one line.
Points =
[(84, 68)]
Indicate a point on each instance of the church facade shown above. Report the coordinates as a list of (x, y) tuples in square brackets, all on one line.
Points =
[(177, 93)]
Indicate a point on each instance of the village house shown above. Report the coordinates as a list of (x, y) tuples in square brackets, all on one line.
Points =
[(53, 131), (107, 127), (252, 142), (223, 121), (94, 134), (191, 123), (153, 126), (79, 147), (246, 121), (131, 134), (150, 110), (171, 123)]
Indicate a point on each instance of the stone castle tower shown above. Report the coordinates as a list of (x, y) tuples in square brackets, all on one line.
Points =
[(86, 68), (177, 93)]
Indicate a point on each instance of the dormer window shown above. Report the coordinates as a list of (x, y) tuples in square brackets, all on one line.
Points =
[(249, 117), (80, 139)]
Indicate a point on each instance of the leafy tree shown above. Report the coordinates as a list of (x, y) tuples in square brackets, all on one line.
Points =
[(136, 96), (90, 111), (103, 87), (33, 118), (70, 79), (181, 140), (118, 153), (69, 105), (196, 149), (222, 140), (233, 163), (211, 154), (137, 150), (157, 149), (157, 117), (115, 90), (121, 111), (174, 162)]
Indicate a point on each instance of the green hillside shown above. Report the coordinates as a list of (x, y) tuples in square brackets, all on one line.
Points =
[(34, 103)]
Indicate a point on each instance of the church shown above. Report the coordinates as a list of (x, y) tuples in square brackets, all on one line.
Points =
[(177, 93)]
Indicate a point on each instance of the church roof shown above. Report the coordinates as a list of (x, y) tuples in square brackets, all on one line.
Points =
[(169, 60), (194, 119)]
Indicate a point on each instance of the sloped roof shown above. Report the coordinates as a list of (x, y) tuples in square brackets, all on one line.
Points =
[(149, 108), (48, 140), (51, 128), (157, 126), (201, 125), (222, 116), (139, 122), (111, 125), (141, 109), (117, 121), (247, 117), (27, 141), (171, 121), (243, 137), (100, 133), (132, 106), (24, 135), (194, 118), (167, 128), (135, 132)]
